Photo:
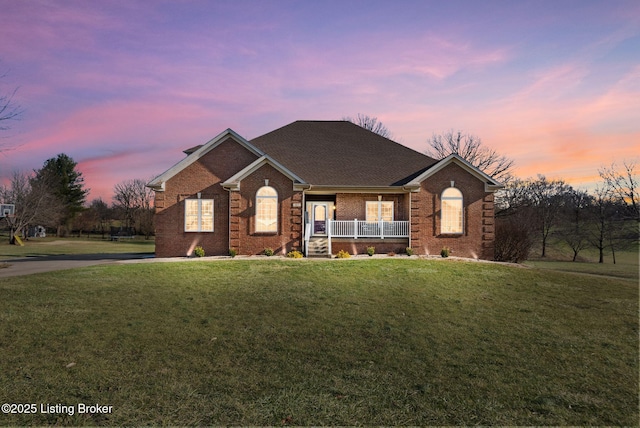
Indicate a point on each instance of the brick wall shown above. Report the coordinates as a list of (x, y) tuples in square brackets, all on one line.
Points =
[(478, 236), (359, 246), (204, 176), (350, 206), (244, 238)]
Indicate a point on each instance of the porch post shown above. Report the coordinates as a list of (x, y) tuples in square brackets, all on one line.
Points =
[(355, 228), (329, 229), (381, 226)]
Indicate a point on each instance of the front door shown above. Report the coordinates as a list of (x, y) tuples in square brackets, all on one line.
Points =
[(319, 216)]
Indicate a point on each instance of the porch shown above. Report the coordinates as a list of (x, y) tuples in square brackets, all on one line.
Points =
[(319, 238)]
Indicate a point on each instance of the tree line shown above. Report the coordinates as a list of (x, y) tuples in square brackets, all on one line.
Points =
[(54, 196), (535, 210)]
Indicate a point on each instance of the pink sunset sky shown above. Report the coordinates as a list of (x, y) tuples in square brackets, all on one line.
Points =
[(124, 86)]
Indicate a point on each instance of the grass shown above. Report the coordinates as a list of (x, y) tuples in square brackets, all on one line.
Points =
[(342, 342), (56, 246), (559, 258)]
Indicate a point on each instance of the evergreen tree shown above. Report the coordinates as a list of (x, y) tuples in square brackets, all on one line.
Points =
[(66, 183)]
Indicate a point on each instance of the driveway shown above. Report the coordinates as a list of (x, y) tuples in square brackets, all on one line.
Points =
[(29, 265)]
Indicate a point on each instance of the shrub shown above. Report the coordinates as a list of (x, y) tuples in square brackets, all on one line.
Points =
[(268, 252), (409, 251), (513, 240), (233, 252), (198, 251), (342, 254), (445, 252), (371, 251), (294, 254)]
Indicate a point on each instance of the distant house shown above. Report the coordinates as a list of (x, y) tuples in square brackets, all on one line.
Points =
[(319, 187)]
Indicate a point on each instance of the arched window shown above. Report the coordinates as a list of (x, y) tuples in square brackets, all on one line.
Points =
[(266, 209), (451, 211)]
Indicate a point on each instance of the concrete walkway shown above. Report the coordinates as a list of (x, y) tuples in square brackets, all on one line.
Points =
[(30, 265)]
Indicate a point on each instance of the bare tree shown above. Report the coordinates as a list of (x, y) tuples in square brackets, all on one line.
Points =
[(370, 123), (34, 200), (537, 203), (9, 110), (471, 149), (134, 199), (512, 198), (600, 212), (623, 185), (102, 213), (574, 221), (513, 223), (124, 200), (547, 201)]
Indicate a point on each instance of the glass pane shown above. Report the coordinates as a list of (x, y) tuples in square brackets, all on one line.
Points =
[(206, 218), (191, 215), (452, 216), (387, 211), (320, 219), (372, 211), (451, 192), (320, 212), (266, 214), (267, 191)]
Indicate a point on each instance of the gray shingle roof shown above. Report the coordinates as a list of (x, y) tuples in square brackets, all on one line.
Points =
[(340, 153)]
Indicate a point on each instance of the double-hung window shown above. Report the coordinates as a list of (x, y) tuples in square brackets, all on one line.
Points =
[(451, 211), (379, 210), (198, 215), (267, 210)]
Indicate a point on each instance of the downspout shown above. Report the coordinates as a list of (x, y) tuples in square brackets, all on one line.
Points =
[(305, 237), (409, 194), (228, 219)]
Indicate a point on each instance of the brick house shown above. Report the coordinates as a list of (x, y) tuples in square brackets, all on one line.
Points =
[(320, 187)]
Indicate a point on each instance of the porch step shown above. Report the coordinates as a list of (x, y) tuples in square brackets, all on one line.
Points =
[(318, 247)]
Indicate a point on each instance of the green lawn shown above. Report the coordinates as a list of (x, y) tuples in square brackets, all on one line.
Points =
[(55, 246), (341, 342), (559, 258)]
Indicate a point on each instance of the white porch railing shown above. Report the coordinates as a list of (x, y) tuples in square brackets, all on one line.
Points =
[(307, 236), (366, 229)]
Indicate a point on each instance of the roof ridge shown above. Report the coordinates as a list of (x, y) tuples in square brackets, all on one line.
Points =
[(340, 152)]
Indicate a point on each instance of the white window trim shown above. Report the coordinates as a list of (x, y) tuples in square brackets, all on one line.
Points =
[(379, 215), (257, 223), (199, 214), (442, 215)]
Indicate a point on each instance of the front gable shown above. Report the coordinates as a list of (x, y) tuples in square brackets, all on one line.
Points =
[(233, 183), (245, 235), (159, 183), (490, 185), (199, 176)]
